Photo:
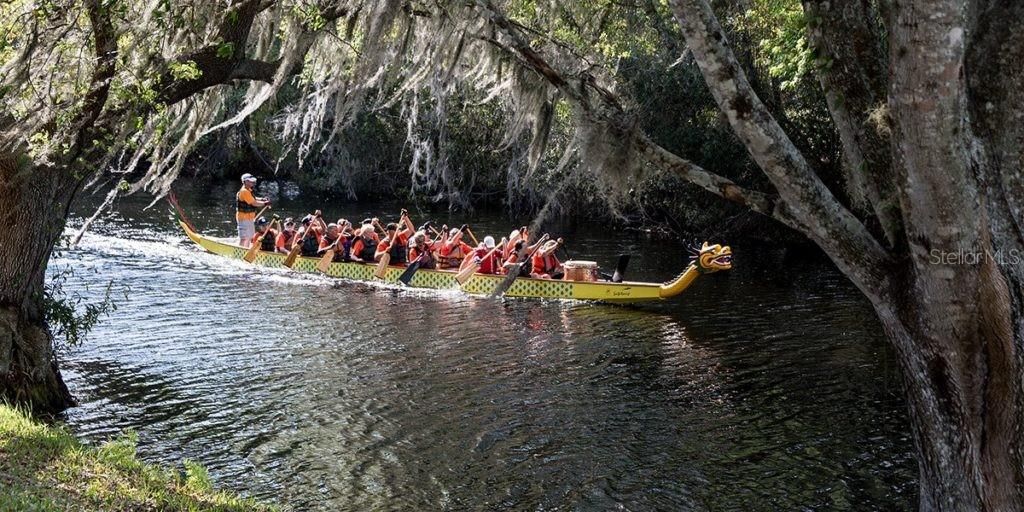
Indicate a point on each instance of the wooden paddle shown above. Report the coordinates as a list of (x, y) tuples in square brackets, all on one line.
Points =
[(328, 258), (513, 271), (250, 255), (297, 247), (476, 243), (463, 276), (382, 266)]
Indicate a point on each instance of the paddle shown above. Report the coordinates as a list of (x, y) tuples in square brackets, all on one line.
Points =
[(382, 266), (328, 258), (463, 276), (513, 271), (250, 255), (293, 254), (297, 246), (476, 243), (410, 271)]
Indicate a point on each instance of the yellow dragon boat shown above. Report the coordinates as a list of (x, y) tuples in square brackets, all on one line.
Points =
[(710, 258)]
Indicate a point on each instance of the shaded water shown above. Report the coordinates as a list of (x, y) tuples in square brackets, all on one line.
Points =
[(768, 387)]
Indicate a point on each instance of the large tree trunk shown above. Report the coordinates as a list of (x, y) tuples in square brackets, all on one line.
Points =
[(33, 206), (963, 390), (951, 299)]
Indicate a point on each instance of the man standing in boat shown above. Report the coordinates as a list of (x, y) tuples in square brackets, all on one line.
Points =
[(247, 206)]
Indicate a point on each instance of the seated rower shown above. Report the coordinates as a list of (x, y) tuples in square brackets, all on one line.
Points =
[(521, 249), (513, 256), (515, 236), (421, 248), (488, 254), (453, 251), (396, 243), (310, 235), (364, 244), (265, 236), (336, 239), (286, 237), (545, 263)]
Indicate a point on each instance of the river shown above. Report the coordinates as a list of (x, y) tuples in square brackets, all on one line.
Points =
[(768, 387)]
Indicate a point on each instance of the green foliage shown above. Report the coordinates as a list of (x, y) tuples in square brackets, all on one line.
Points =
[(44, 468), (186, 70), (197, 477), (226, 50), (70, 319), (779, 28), (309, 15)]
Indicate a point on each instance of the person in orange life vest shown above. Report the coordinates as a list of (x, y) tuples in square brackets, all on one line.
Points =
[(520, 247), (489, 260), (512, 257), (246, 206), (283, 244), (422, 249), (264, 235), (343, 247), (545, 263), (513, 237), (397, 241), (364, 244), (310, 235), (327, 241), (453, 251)]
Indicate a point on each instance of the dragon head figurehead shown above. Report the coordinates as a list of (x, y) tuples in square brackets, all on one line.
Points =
[(712, 258)]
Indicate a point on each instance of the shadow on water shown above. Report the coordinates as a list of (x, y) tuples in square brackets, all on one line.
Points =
[(769, 387)]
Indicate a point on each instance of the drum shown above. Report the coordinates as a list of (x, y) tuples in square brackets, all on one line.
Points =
[(576, 270)]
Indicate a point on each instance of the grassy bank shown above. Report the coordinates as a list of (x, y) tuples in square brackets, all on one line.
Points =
[(44, 468)]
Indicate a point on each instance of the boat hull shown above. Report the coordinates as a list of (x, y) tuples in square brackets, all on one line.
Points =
[(479, 284)]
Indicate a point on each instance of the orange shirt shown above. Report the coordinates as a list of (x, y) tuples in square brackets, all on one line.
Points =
[(245, 196), (284, 241), (385, 245)]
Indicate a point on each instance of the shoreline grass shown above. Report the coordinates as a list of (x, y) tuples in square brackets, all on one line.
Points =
[(45, 468)]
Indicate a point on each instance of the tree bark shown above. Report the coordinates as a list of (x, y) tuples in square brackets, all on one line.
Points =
[(33, 205), (950, 299)]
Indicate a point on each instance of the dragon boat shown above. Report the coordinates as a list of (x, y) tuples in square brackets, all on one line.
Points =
[(710, 258)]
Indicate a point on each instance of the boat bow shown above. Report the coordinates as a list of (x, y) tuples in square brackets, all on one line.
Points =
[(709, 259)]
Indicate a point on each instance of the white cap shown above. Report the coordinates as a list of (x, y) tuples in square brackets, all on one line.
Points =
[(248, 177), (489, 241)]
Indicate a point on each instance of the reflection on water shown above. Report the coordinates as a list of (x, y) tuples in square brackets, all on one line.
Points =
[(766, 388)]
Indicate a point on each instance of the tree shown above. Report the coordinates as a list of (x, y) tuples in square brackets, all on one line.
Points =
[(934, 149), (946, 184), (925, 101), (147, 88)]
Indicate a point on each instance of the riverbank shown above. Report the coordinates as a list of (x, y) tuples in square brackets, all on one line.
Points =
[(45, 468)]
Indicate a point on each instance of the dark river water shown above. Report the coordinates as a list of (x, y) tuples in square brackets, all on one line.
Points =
[(769, 387)]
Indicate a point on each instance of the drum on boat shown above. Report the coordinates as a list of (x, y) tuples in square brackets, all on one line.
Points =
[(578, 270)]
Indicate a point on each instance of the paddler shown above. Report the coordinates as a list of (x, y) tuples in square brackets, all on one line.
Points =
[(396, 243), (285, 238), (453, 251), (364, 244), (264, 235), (545, 263), (310, 235), (247, 205), (487, 256), (336, 239), (422, 248)]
